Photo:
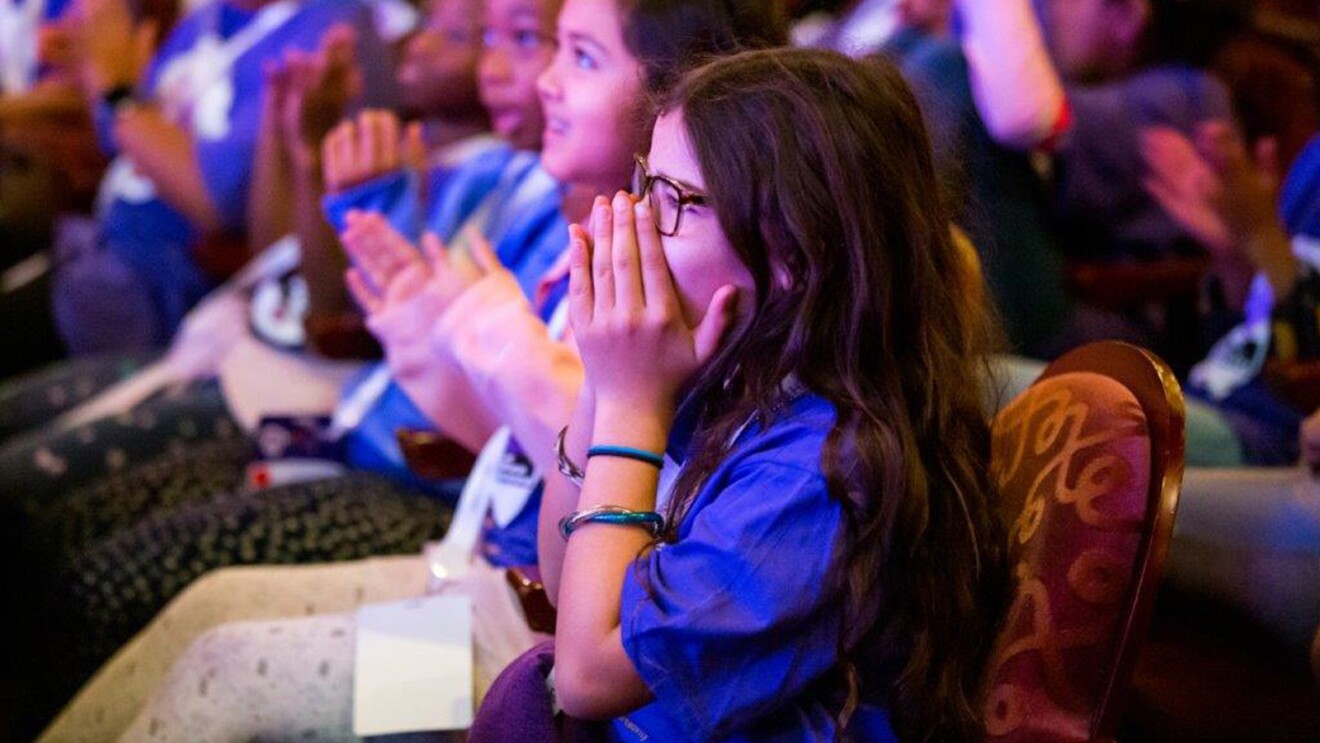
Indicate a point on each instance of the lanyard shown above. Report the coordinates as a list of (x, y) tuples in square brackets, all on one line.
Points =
[(196, 88), (497, 218), (489, 489)]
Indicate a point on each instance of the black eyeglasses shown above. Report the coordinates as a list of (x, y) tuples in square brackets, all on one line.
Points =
[(668, 197)]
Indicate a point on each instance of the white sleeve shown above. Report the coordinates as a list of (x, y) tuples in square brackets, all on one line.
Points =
[(1017, 91), (522, 376)]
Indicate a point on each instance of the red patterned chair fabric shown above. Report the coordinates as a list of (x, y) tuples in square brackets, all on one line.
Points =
[(1088, 464)]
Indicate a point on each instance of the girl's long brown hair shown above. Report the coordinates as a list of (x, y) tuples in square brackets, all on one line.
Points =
[(819, 170)]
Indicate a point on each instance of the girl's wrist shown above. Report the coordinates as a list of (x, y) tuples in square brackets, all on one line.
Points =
[(618, 423), (582, 425)]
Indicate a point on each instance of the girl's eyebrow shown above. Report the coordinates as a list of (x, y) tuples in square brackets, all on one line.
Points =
[(577, 37), (686, 186)]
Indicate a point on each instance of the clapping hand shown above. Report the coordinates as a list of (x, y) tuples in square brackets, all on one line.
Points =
[(357, 151), (389, 271), (1223, 196), (310, 91), (1210, 184)]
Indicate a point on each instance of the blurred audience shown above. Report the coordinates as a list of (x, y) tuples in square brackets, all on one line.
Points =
[(336, 221)]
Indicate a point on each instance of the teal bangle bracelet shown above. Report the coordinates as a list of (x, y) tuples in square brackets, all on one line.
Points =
[(649, 520), (627, 452)]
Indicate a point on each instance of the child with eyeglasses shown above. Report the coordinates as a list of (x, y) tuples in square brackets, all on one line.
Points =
[(775, 521)]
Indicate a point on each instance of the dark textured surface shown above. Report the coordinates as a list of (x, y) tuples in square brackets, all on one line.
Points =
[(1207, 674)]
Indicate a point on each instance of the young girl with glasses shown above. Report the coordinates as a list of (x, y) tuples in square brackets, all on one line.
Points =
[(785, 528)]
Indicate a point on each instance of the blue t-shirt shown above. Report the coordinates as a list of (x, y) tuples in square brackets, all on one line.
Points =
[(731, 626), (53, 10), (504, 192), (155, 239), (452, 197)]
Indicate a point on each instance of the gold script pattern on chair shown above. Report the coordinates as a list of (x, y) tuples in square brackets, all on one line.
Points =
[(1071, 458)]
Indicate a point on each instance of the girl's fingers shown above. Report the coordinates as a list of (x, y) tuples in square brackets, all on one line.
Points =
[(1265, 158), (483, 255), (602, 259), (414, 148), (338, 43), (657, 282), (367, 240), (371, 145), (710, 332), (394, 247), (347, 146), (394, 252), (387, 141), (581, 290), (626, 258), (144, 40), (1218, 143), (364, 148), (362, 293), (435, 251), (274, 75), (336, 153), (1165, 151), (304, 72)]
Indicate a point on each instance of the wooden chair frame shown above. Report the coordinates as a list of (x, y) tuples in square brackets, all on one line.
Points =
[(1153, 383)]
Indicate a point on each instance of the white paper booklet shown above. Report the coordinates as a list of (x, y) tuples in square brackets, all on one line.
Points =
[(414, 666)]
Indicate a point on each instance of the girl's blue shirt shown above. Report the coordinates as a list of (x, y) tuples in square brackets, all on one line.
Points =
[(732, 626)]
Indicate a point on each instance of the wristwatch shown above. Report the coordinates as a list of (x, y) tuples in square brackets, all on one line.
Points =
[(120, 98)]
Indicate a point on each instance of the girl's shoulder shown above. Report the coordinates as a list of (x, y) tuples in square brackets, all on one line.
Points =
[(793, 437)]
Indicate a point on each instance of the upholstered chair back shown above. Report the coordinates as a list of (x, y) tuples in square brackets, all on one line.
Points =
[(1087, 462)]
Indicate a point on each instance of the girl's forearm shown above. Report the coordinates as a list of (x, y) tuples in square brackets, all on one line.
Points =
[(530, 381), (1017, 90), (270, 213), (166, 154), (323, 260), (561, 496), (594, 676)]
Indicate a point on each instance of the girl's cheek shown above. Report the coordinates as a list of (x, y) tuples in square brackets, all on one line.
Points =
[(686, 281)]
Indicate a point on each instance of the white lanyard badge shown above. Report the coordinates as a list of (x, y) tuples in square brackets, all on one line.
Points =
[(19, 23)]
